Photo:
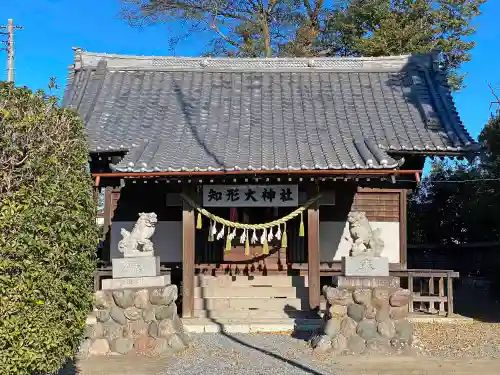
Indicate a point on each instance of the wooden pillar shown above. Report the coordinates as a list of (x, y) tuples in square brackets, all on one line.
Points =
[(449, 291), (108, 211), (403, 229), (188, 238), (313, 254)]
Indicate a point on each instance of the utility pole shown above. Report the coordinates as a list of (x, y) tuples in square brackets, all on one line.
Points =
[(10, 47)]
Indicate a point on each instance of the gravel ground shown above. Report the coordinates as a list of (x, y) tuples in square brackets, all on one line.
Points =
[(280, 354), (477, 340)]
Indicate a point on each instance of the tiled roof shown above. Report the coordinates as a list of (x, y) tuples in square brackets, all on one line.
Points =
[(195, 114)]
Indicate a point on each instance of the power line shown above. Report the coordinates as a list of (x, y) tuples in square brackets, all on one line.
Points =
[(456, 181), (10, 47)]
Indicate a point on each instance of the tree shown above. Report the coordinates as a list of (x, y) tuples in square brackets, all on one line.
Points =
[(462, 198), (245, 28), (48, 234), (490, 140), (381, 27), (251, 28), (463, 205)]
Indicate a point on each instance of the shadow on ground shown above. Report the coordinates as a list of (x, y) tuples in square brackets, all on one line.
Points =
[(69, 369), (479, 303), (290, 362)]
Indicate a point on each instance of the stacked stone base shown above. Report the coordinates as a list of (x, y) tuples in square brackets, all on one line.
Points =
[(369, 320), (142, 321)]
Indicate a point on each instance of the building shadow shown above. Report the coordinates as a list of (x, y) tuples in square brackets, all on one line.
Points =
[(69, 368), (478, 302), (307, 324), (236, 340)]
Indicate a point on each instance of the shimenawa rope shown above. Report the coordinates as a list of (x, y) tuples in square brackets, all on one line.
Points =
[(233, 224)]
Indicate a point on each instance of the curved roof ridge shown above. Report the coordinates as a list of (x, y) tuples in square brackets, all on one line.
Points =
[(353, 64)]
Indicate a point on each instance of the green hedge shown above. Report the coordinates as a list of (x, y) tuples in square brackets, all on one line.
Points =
[(48, 234)]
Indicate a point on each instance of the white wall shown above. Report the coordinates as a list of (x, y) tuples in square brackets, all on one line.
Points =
[(167, 239), (333, 245)]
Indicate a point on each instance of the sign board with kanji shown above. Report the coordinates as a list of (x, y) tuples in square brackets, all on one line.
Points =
[(250, 195)]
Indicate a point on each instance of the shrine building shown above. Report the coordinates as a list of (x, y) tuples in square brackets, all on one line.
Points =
[(252, 165)]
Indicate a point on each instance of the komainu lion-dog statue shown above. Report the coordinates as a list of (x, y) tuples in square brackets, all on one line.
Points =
[(364, 240), (137, 241)]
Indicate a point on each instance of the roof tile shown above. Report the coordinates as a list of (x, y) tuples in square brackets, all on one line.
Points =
[(174, 114)]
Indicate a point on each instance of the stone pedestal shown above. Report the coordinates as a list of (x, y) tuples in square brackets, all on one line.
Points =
[(365, 320), (136, 282), (136, 267), (356, 282), (143, 321), (365, 266), (136, 272)]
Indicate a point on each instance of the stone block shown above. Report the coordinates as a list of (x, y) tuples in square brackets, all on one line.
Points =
[(386, 329), (337, 311), (400, 298), (337, 296), (136, 282), (367, 329), (195, 328), (332, 327), (117, 315), (141, 299), (102, 315), (91, 319), (136, 328), (166, 328), (348, 326), (144, 344), (371, 321), (356, 344), (355, 282), (123, 298), (164, 296), (356, 312), (99, 347), (136, 267), (94, 331), (165, 312), (339, 342), (121, 345), (102, 300), (132, 313), (365, 266), (321, 344), (176, 343), (138, 254)]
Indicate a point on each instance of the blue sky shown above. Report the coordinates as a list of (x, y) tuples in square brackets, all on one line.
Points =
[(52, 27)]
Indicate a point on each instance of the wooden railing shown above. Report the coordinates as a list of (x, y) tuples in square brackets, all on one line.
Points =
[(432, 289)]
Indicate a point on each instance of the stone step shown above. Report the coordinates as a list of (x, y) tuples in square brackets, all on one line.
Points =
[(252, 314), (272, 280), (203, 325), (254, 304), (250, 292)]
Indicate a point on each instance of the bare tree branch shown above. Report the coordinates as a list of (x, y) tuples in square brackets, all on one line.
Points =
[(495, 95), (213, 26)]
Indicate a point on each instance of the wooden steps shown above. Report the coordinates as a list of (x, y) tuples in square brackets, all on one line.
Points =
[(256, 325), (272, 280), (251, 304), (248, 314), (250, 292)]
